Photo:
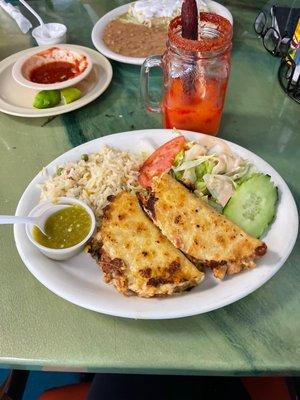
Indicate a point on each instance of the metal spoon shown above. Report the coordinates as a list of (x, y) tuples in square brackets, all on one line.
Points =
[(38, 221)]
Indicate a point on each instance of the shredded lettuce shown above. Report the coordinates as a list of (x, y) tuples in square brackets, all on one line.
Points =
[(195, 151), (213, 176), (201, 187), (204, 168), (189, 177), (209, 164), (201, 170), (178, 158), (241, 171), (192, 163), (201, 195), (221, 187)]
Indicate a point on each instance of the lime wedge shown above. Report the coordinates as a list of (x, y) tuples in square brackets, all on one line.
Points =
[(70, 94), (46, 99)]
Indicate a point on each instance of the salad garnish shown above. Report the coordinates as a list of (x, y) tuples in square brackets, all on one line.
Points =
[(213, 173), (226, 181)]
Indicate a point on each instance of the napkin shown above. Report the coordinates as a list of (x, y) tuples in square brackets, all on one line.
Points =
[(15, 13)]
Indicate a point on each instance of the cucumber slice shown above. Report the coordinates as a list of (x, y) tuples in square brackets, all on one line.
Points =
[(253, 205)]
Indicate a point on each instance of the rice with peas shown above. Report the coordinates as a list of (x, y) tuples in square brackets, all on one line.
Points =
[(94, 178)]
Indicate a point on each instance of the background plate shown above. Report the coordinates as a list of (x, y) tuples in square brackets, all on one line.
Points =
[(17, 100), (97, 32), (79, 280)]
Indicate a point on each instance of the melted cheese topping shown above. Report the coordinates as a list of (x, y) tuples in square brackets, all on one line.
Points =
[(200, 231), (137, 258)]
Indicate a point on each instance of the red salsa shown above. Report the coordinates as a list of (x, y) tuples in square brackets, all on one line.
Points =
[(53, 72)]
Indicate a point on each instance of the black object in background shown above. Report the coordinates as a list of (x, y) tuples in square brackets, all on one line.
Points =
[(285, 77), (285, 20), (14, 386), (162, 387), (276, 28)]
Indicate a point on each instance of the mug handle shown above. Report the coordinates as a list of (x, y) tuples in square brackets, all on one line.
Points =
[(150, 62)]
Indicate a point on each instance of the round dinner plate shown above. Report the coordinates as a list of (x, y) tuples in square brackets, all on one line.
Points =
[(98, 30), (17, 100), (80, 281)]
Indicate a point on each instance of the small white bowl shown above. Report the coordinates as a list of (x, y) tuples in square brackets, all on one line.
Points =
[(58, 34), (60, 254), (24, 66)]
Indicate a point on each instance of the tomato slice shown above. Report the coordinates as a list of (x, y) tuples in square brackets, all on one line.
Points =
[(160, 161)]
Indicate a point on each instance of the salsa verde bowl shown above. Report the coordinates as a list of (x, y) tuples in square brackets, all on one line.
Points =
[(68, 252)]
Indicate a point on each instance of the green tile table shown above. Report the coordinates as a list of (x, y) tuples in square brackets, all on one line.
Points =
[(38, 330)]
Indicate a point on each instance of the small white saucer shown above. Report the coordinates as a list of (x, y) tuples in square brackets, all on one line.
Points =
[(17, 100)]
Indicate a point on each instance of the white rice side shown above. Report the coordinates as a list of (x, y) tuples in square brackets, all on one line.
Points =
[(106, 173)]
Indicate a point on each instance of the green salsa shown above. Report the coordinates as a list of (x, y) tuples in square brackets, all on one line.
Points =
[(64, 228)]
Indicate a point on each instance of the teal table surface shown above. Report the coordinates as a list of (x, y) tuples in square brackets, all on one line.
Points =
[(38, 330)]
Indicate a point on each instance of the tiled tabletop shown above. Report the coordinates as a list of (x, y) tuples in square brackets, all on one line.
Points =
[(38, 330)]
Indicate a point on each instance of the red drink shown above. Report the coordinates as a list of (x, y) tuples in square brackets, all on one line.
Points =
[(195, 73), (199, 111)]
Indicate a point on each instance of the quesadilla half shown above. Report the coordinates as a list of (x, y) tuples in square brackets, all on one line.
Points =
[(193, 226), (136, 257)]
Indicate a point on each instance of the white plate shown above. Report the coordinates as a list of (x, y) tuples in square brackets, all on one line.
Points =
[(17, 100), (97, 32), (80, 281)]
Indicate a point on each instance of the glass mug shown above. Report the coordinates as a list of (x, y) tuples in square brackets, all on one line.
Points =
[(195, 75)]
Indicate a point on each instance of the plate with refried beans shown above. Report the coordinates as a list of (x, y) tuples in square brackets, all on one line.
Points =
[(134, 31)]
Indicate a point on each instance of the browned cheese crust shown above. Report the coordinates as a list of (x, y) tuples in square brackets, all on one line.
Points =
[(198, 230), (136, 257)]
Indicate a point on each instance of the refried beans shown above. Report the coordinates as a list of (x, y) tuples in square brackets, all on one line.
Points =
[(135, 40)]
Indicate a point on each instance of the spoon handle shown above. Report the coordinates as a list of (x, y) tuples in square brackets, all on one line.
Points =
[(12, 219), (25, 4)]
